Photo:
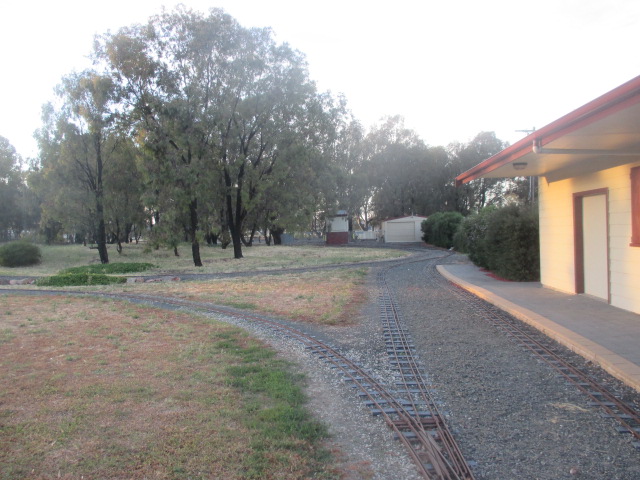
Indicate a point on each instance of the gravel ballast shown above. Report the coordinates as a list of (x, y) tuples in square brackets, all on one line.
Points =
[(512, 416)]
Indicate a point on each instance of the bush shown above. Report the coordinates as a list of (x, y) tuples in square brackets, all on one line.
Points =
[(107, 268), (471, 236), (503, 240), (19, 254), (78, 279), (513, 244), (440, 228)]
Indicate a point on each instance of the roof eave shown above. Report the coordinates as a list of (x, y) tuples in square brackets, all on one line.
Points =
[(619, 98)]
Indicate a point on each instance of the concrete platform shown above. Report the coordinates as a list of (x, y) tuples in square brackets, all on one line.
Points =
[(606, 335)]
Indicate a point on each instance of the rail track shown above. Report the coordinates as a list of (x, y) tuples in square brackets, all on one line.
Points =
[(625, 413), (407, 408)]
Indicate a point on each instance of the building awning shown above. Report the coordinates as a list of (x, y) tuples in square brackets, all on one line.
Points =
[(604, 133)]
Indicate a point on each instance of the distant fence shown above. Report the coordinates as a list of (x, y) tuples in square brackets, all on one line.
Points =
[(365, 235)]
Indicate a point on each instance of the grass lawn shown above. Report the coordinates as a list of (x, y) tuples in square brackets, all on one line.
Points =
[(215, 259), (95, 388)]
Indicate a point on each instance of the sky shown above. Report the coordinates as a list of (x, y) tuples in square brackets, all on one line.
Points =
[(451, 68)]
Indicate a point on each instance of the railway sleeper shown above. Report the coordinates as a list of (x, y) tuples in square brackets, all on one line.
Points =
[(622, 429), (622, 416)]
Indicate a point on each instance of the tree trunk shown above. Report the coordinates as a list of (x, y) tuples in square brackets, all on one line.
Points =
[(249, 243), (277, 235), (234, 221), (118, 235), (101, 235), (193, 231)]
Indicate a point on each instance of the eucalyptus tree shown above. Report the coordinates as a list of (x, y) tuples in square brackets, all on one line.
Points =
[(73, 153), (476, 195), (123, 187), (11, 191), (401, 165), (212, 98)]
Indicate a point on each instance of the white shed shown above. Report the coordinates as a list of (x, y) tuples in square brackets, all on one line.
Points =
[(403, 229)]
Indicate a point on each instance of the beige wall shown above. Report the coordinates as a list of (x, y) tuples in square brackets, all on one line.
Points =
[(557, 237)]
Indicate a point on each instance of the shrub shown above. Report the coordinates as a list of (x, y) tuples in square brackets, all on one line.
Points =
[(110, 268), (440, 228), (471, 236), (512, 243), (503, 240), (78, 279), (19, 254)]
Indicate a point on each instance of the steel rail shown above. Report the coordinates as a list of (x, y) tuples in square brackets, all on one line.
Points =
[(601, 396), (422, 446), (412, 378)]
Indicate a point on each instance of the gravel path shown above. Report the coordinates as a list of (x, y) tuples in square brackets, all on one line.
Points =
[(511, 414)]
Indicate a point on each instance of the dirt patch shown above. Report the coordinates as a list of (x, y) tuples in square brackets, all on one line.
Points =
[(327, 298)]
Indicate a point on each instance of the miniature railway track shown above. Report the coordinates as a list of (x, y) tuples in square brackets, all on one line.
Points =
[(542, 347), (407, 407), (413, 417), (414, 387)]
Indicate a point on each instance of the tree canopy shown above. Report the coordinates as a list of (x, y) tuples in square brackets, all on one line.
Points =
[(193, 127)]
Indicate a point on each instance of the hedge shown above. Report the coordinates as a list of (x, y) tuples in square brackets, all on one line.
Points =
[(504, 240), (440, 228)]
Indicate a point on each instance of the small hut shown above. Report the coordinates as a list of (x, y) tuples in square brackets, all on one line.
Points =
[(338, 229)]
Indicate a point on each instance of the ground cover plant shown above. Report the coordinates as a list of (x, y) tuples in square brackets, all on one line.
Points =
[(92, 274), (108, 268), (95, 388), (75, 279)]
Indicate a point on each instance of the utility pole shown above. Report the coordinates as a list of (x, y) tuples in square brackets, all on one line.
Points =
[(532, 180)]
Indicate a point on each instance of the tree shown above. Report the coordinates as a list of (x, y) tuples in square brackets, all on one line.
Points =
[(401, 166), (86, 177), (11, 187), (85, 124), (123, 187), (215, 104), (476, 195)]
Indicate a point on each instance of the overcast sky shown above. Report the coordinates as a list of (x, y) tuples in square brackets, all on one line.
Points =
[(451, 68)]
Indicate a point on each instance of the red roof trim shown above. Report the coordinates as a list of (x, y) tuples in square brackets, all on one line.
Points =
[(617, 99)]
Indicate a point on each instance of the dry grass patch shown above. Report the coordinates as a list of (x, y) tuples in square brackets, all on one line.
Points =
[(101, 389), (215, 259), (330, 298)]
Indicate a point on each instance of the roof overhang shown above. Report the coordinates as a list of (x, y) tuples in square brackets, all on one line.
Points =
[(604, 133)]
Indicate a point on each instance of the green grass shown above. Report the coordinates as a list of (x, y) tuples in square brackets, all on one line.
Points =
[(78, 279), (274, 404), (110, 268)]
